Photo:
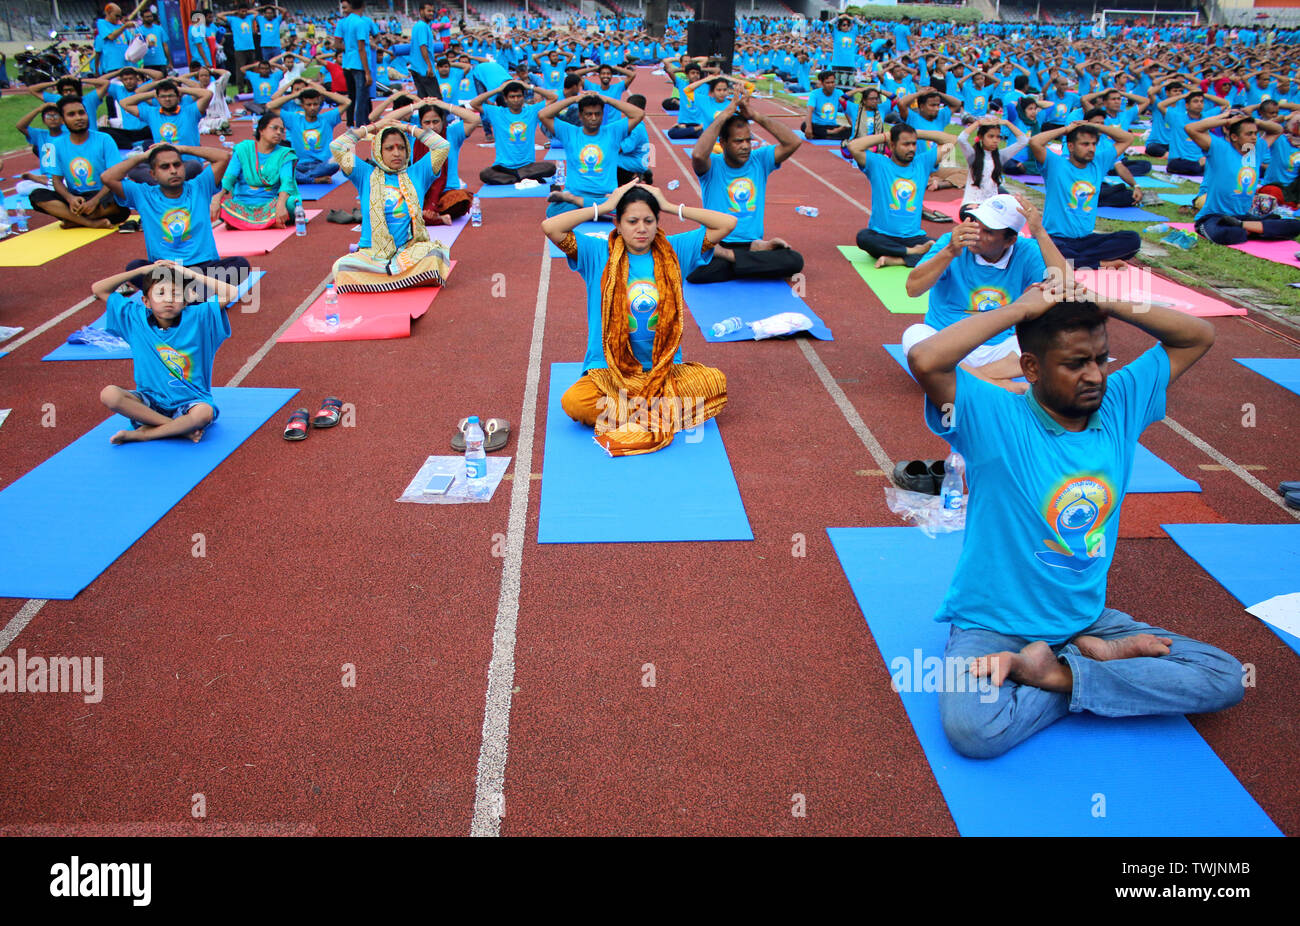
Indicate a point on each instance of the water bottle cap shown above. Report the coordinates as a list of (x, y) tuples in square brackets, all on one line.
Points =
[(473, 419)]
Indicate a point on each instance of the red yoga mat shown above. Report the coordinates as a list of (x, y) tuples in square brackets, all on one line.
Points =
[(364, 316), (1134, 284), (253, 243), (1279, 252)]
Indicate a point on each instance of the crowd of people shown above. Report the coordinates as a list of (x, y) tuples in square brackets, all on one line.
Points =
[(1007, 341)]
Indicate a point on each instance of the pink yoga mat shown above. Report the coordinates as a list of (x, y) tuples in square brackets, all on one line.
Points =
[(1134, 284), (364, 316), (447, 234), (253, 243), (953, 206), (1279, 252)]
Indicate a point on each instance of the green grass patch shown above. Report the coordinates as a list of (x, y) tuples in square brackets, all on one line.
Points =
[(12, 108), (916, 12)]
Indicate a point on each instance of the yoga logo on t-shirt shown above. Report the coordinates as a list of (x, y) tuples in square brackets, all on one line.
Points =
[(988, 298), (394, 204), (50, 157), (516, 131), (902, 195), (1081, 192), (175, 360), (742, 195), (643, 300), (311, 139), (83, 172), (1077, 513), (828, 111), (1246, 179), (1292, 162), (175, 225), (590, 159), (169, 132), (978, 103)]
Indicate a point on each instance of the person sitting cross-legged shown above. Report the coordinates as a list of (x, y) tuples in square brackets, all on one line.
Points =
[(981, 266), (893, 234), (590, 149), (735, 183), (1228, 215), (1048, 471), (513, 127)]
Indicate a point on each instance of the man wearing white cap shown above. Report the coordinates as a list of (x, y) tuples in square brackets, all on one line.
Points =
[(982, 265)]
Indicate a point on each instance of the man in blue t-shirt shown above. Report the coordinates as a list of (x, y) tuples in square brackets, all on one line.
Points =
[(513, 127), (424, 54), (983, 265), (172, 110), (1073, 183), (310, 131), (1231, 178), (822, 117), (81, 155), (735, 183), (354, 35), (1185, 156), (243, 36), (268, 31), (113, 37), (158, 54), (1047, 472), (893, 234), (590, 148)]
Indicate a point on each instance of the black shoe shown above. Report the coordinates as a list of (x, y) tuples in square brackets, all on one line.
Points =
[(915, 476), (937, 472)]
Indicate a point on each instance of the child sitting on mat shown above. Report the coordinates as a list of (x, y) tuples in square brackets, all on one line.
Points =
[(172, 349)]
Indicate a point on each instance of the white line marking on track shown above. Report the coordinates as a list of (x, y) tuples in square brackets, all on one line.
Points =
[(20, 620), (1232, 467), (814, 359), (489, 785), (265, 349), (41, 329)]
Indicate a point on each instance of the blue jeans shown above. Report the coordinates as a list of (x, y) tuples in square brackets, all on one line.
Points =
[(1195, 678), (305, 171)]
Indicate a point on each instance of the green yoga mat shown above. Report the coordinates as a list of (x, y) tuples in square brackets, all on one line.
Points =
[(888, 283)]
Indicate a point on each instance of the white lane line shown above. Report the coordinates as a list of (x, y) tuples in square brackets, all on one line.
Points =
[(489, 786), (32, 605), (9, 348), (19, 621), (1231, 466), (814, 359)]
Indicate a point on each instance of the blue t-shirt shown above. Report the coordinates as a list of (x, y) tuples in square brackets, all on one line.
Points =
[(971, 284), (112, 52), (938, 124), (455, 138), (513, 134), (178, 128), (81, 166), (1043, 515), (41, 140), (1072, 193), (197, 38), (1180, 143), (117, 91), (634, 152), (176, 229), (268, 31), (173, 366), (156, 37), (1230, 179), (845, 54), (396, 215), (355, 28), (824, 106), (643, 299), (1284, 161), (264, 87), (975, 100), (896, 192), (688, 112), (242, 31), (740, 191), (311, 140), (592, 159), (421, 37)]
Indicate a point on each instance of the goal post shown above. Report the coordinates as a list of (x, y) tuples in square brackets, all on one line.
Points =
[(1107, 18)]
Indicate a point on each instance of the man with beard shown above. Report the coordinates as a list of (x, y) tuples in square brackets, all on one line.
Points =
[(1048, 514), (81, 156), (893, 234)]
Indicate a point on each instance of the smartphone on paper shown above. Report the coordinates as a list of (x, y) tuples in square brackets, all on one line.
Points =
[(439, 484)]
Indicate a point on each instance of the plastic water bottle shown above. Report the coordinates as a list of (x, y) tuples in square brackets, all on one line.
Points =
[(727, 326), (475, 213), (475, 458), (561, 172), (1159, 229), (19, 220), (810, 211), (331, 295), (674, 184), (951, 492), (300, 221)]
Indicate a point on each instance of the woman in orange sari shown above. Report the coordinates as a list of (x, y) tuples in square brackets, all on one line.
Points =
[(635, 390)]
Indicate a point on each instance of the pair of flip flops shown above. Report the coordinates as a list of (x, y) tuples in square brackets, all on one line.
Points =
[(301, 421), (1290, 492), (496, 434), (344, 216), (924, 476)]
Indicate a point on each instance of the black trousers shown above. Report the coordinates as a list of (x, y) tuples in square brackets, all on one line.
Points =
[(1118, 195), (1089, 251), (500, 176), (427, 85), (647, 176), (359, 112), (777, 264), (879, 245), (1157, 149), (1213, 227), (128, 138), (1184, 166)]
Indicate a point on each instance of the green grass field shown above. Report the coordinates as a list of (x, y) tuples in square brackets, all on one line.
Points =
[(12, 108)]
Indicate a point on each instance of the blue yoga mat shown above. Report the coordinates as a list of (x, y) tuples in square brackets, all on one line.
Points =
[(603, 228), (507, 191), (66, 351), (1254, 562), (1152, 183), (314, 191), (15, 202), (1284, 372), (554, 154), (67, 520), (1150, 473), (1158, 775), (1128, 214), (585, 492), (1032, 179), (1178, 199), (820, 142), (751, 300)]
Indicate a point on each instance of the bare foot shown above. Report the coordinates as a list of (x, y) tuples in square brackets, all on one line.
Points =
[(1113, 264), (772, 244), (195, 436), (923, 248), (890, 262), (1035, 665), (127, 437), (1143, 644)]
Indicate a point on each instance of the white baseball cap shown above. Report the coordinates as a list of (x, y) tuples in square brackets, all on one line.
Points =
[(1001, 211)]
